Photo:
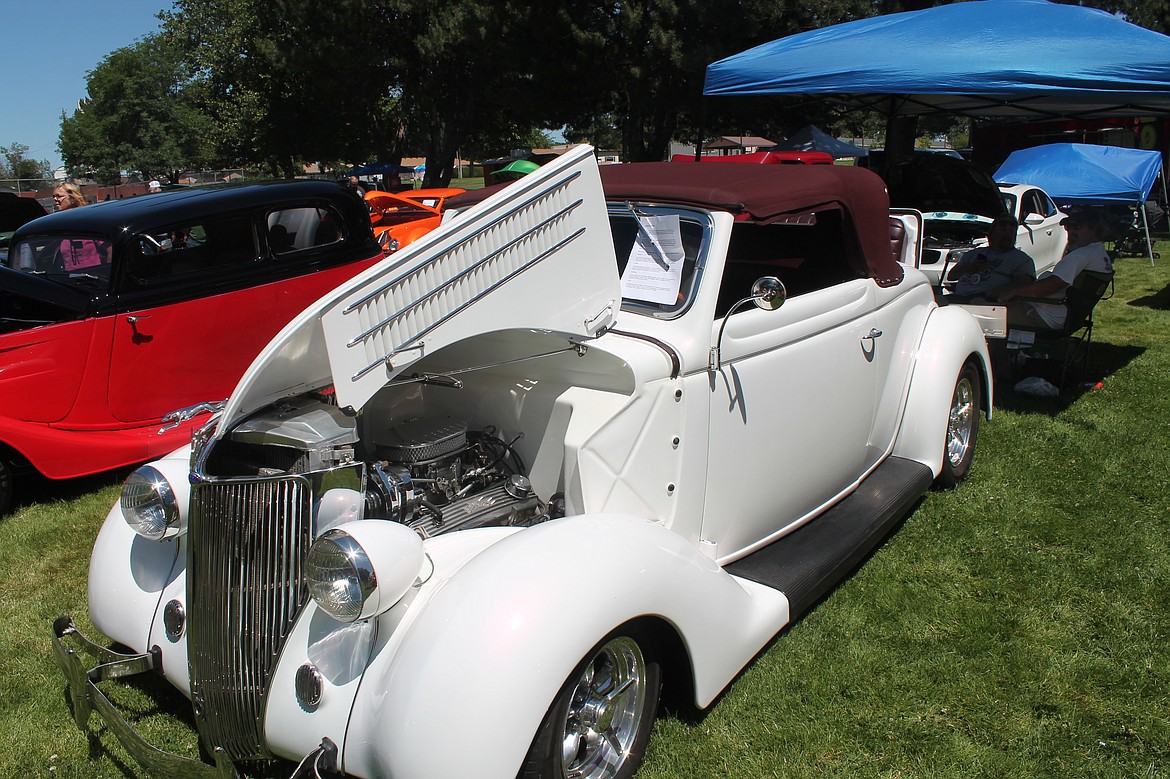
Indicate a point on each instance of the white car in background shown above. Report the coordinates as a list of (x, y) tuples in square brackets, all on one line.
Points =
[(958, 202), (1041, 235)]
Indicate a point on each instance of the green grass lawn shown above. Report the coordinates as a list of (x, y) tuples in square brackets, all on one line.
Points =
[(1018, 626)]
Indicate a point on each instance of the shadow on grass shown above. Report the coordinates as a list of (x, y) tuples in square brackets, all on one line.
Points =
[(1159, 301), (1105, 360), (32, 488)]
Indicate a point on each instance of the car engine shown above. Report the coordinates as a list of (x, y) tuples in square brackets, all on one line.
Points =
[(431, 474)]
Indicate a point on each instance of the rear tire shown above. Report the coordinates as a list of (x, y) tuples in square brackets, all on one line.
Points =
[(962, 428), (600, 721)]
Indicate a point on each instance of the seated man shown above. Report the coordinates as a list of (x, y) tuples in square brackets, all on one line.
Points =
[(1085, 252), (983, 271)]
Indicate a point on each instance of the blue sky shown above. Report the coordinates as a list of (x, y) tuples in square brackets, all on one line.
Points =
[(49, 46)]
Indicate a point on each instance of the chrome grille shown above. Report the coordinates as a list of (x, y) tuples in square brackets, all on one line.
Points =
[(246, 547)]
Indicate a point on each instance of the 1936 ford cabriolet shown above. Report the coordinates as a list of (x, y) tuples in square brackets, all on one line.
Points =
[(598, 426)]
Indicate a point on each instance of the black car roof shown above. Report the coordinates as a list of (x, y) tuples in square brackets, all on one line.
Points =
[(136, 214)]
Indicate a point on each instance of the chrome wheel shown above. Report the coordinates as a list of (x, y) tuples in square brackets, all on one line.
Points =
[(606, 712), (961, 425), (962, 428)]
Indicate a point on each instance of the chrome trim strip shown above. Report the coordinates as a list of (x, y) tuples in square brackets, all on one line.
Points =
[(426, 295), (561, 184), (405, 345)]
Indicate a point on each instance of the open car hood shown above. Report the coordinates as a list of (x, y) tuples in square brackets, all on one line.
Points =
[(936, 182), (537, 254), (28, 300), (16, 211)]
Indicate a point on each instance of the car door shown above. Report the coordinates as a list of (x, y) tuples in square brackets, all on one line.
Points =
[(213, 293), (1040, 235), (188, 328), (791, 411)]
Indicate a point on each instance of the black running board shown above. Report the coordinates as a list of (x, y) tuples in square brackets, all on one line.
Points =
[(809, 562)]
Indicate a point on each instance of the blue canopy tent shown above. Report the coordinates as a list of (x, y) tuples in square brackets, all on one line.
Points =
[(1007, 59), (1082, 173), (813, 138)]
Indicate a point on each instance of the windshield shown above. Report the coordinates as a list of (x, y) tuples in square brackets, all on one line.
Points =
[(75, 260), (659, 257)]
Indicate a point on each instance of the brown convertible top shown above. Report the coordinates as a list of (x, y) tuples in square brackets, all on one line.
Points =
[(760, 193)]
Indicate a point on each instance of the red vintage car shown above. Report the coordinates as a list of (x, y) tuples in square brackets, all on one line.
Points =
[(113, 317)]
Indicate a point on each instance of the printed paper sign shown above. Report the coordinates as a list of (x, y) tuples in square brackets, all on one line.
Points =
[(654, 270)]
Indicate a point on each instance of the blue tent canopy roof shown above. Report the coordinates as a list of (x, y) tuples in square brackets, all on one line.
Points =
[(813, 138), (1077, 172), (991, 58)]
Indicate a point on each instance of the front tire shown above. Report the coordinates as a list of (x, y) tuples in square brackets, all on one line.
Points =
[(962, 428), (600, 721)]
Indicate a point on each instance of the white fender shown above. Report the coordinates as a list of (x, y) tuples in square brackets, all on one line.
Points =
[(128, 573), (952, 336), (466, 691)]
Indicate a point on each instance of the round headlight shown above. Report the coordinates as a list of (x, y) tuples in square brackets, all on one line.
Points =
[(340, 575), (149, 505), (363, 568)]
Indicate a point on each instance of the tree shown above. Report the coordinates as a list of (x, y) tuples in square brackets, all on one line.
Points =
[(141, 114), (292, 81), (28, 173), (644, 62)]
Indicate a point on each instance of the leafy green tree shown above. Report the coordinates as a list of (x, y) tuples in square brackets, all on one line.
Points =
[(644, 62), (141, 115), (290, 81), (16, 166)]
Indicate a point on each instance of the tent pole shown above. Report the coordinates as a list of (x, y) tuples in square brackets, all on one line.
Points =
[(1146, 225)]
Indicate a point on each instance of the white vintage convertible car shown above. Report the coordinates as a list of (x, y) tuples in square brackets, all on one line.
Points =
[(604, 432)]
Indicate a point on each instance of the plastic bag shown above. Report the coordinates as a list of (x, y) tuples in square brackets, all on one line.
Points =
[(1038, 387)]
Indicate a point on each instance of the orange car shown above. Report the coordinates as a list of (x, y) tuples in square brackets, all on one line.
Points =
[(401, 217)]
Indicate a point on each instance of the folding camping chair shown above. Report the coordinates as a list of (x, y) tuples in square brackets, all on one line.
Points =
[(1068, 344)]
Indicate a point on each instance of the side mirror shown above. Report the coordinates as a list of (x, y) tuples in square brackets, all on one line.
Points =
[(768, 293), (1034, 219)]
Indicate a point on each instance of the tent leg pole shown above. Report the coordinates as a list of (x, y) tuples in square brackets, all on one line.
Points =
[(1146, 226)]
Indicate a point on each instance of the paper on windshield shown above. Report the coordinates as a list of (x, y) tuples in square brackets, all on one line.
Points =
[(654, 270)]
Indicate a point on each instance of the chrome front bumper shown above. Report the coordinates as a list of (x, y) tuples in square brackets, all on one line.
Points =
[(88, 699)]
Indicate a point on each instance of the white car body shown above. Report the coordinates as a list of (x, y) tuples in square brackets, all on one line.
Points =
[(689, 448), (1041, 235)]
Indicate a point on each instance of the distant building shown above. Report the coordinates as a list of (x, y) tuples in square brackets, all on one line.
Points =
[(737, 144)]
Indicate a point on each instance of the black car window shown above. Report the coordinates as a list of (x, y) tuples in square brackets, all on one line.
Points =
[(78, 260), (292, 230), (807, 252), (179, 250)]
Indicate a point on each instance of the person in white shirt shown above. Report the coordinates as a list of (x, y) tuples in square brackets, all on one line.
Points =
[(1086, 230)]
